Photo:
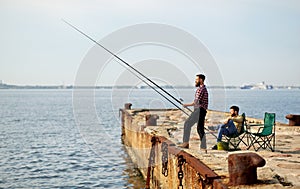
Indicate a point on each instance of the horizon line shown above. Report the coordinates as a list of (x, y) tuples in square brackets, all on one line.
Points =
[(4, 86)]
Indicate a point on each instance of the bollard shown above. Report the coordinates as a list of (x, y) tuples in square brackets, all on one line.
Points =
[(128, 106), (242, 168), (293, 119), (151, 120)]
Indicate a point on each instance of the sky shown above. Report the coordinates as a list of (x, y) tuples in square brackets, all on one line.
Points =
[(250, 40)]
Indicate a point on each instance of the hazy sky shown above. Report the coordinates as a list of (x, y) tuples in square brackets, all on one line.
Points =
[(250, 40)]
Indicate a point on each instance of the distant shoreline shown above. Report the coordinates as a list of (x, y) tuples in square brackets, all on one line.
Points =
[(6, 86)]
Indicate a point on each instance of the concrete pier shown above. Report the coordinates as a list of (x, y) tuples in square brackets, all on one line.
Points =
[(164, 165)]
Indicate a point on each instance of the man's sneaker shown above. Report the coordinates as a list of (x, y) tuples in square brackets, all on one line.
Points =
[(215, 147), (184, 145)]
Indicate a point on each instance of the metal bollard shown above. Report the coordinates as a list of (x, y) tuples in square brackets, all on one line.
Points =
[(293, 119), (127, 106), (151, 120), (242, 168)]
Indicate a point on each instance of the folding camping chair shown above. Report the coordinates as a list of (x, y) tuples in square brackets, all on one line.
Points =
[(235, 139), (266, 138)]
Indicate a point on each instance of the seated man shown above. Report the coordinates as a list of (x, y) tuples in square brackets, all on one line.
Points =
[(232, 124)]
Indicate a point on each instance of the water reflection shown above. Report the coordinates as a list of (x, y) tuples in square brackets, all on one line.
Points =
[(133, 177)]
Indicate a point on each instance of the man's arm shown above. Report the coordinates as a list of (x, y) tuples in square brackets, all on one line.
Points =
[(227, 120), (186, 105)]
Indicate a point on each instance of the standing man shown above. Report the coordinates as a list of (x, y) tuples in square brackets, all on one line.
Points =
[(198, 115)]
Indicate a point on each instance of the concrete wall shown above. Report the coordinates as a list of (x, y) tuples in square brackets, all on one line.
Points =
[(139, 144)]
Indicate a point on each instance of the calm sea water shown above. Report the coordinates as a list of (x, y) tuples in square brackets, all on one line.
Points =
[(253, 102), (43, 145)]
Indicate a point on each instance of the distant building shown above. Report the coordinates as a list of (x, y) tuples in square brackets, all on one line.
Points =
[(1, 82)]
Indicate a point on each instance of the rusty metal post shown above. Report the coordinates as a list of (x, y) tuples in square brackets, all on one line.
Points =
[(293, 119), (242, 168), (127, 106), (151, 120)]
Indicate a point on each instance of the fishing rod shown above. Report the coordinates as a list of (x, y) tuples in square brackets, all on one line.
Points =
[(123, 61), (134, 70), (157, 91), (139, 74)]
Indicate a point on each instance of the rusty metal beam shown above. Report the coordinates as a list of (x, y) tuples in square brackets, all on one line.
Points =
[(195, 163), (198, 165)]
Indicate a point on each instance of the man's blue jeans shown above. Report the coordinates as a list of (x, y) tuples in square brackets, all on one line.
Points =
[(226, 129)]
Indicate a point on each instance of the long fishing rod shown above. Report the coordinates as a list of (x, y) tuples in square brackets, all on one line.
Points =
[(123, 61), (157, 91), (140, 74), (132, 71)]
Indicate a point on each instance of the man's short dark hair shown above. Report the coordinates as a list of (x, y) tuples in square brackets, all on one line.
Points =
[(235, 108), (201, 76)]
